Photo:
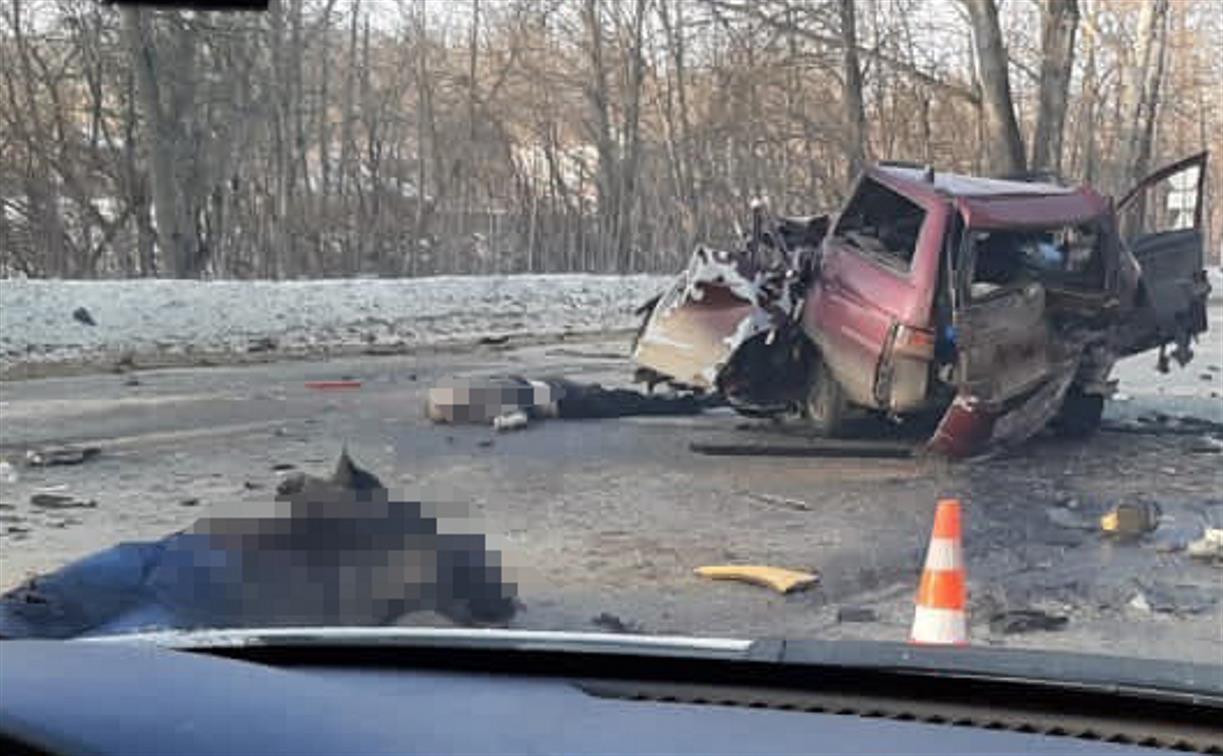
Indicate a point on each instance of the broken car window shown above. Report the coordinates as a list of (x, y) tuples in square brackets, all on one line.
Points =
[(1062, 257), (881, 222)]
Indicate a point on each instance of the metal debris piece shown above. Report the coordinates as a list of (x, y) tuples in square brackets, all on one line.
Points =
[(777, 578), (342, 385), (511, 421), (856, 614), (61, 455), (1068, 519), (81, 315), (612, 623), (1129, 520), (1015, 621), (781, 501), (830, 450), (61, 501), (1208, 547)]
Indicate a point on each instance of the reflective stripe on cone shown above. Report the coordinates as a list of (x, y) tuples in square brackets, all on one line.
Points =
[(939, 617)]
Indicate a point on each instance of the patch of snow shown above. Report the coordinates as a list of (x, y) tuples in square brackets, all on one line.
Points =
[(159, 316)]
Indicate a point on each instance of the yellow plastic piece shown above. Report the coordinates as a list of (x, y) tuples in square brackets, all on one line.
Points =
[(777, 578)]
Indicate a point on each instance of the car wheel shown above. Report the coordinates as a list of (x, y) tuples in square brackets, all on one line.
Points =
[(825, 406), (1080, 414)]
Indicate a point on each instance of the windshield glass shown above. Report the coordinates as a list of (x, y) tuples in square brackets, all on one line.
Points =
[(647, 317)]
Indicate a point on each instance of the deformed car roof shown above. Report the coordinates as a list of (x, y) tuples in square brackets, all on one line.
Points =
[(959, 185), (998, 203)]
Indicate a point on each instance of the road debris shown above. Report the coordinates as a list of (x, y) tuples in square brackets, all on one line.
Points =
[(60, 455), (344, 385), (1209, 547), (856, 614), (1172, 598), (784, 502), (82, 315), (494, 339), (511, 421), (1014, 621), (1130, 520), (777, 578), (612, 623), (283, 467), (61, 501), (830, 450), (1067, 518), (261, 344)]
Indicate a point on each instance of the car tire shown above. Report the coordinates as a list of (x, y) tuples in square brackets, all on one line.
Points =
[(825, 405), (1080, 414)]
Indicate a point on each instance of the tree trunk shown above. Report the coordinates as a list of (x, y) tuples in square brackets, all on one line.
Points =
[(1059, 21), (1005, 149), (174, 236), (855, 113)]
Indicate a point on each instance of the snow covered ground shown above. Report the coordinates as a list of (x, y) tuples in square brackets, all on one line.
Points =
[(159, 320)]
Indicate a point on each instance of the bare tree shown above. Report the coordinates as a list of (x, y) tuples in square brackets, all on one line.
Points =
[(1059, 21), (1004, 142)]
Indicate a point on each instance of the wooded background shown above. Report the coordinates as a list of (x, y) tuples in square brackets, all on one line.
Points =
[(410, 137)]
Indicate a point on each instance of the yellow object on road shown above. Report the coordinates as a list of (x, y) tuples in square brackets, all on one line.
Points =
[(1131, 519), (777, 578)]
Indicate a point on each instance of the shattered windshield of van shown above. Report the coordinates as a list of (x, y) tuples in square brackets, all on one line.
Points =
[(679, 317)]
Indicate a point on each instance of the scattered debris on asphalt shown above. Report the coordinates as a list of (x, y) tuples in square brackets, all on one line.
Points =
[(1172, 598), (511, 421), (856, 614), (1206, 445), (189, 502), (343, 385), (1067, 518), (1209, 547), (777, 578), (612, 623), (784, 502), (1014, 621), (60, 455), (82, 315), (61, 501), (261, 344), (830, 450), (1130, 520)]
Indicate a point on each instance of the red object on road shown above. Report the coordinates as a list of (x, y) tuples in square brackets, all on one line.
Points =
[(333, 385)]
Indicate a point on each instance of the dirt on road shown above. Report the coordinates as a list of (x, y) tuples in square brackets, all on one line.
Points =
[(608, 518)]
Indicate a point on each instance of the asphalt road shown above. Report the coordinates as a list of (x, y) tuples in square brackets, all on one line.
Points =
[(612, 516)]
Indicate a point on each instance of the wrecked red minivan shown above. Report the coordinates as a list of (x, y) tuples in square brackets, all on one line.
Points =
[(1002, 304)]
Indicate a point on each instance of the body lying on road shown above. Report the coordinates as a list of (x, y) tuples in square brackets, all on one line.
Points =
[(334, 552)]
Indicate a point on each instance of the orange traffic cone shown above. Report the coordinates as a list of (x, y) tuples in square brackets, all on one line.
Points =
[(939, 617)]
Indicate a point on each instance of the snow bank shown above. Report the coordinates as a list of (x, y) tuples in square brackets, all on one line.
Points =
[(171, 317)]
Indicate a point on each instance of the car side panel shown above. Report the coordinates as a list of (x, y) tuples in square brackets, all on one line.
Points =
[(856, 303)]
